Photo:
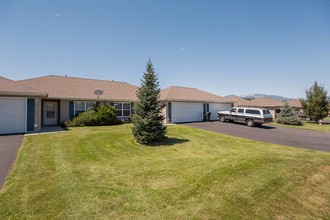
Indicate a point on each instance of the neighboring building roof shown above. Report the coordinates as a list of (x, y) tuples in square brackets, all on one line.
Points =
[(238, 101), (11, 88), (186, 94), (72, 88), (294, 103), (266, 102), (262, 102)]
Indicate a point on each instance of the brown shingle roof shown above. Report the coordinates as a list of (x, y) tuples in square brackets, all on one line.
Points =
[(238, 101), (11, 88), (295, 103), (262, 102), (72, 88), (185, 94), (266, 102)]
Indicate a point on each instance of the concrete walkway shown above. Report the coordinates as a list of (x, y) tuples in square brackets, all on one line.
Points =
[(9, 145), (47, 130)]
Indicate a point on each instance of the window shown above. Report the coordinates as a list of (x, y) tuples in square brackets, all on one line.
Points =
[(126, 109), (252, 111), (82, 106), (240, 110), (123, 109), (90, 105), (119, 109)]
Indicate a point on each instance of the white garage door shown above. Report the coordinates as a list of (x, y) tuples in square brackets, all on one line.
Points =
[(12, 115), (186, 112), (215, 107)]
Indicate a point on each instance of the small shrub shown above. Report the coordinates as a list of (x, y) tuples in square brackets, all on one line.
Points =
[(100, 115), (87, 118), (287, 117), (106, 115), (292, 120)]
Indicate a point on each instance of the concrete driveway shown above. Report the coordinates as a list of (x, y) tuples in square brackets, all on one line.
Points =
[(9, 145), (267, 133)]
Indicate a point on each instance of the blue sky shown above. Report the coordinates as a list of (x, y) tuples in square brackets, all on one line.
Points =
[(225, 47)]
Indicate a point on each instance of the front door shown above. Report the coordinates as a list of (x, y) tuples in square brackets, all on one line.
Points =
[(50, 113)]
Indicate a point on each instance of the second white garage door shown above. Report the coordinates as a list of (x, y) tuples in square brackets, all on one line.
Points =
[(215, 107), (186, 112), (12, 115)]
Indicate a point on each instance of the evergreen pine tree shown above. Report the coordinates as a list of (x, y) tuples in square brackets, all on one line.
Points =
[(286, 116), (316, 104), (148, 120), (286, 111)]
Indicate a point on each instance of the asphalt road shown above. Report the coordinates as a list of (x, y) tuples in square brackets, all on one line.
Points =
[(267, 133), (9, 145)]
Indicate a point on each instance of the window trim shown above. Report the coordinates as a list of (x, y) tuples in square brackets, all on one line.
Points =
[(81, 110), (122, 109)]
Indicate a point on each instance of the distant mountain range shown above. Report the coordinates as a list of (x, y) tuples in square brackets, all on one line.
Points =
[(253, 96)]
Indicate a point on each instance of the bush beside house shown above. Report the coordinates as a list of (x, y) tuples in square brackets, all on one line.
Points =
[(99, 115), (287, 117)]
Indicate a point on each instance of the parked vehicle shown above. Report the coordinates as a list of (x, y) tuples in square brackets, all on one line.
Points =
[(301, 116), (250, 116)]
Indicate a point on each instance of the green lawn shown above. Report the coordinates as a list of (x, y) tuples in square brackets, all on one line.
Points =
[(100, 172), (309, 126)]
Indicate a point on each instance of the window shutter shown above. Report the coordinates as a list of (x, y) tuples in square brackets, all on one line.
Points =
[(170, 112), (71, 110), (30, 114)]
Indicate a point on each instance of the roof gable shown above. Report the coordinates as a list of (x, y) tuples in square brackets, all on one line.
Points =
[(11, 88)]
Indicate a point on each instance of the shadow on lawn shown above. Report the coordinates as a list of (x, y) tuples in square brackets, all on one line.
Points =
[(168, 142)]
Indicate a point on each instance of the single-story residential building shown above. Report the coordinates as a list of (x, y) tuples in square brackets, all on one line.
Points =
[(27, 105), (20, 107), (68, 96), (183, 104)]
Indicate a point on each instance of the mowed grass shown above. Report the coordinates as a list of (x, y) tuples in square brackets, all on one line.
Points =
[(100, 172), (311, 125)]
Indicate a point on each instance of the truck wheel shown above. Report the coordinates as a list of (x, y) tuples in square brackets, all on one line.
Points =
[(222, 118), (250, 123)]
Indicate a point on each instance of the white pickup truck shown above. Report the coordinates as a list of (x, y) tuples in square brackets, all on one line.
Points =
[(250, 116)]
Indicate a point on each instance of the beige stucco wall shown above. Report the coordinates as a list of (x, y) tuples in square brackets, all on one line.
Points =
[(37, 114), (273, 110), (165, 113), (64, 111)]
